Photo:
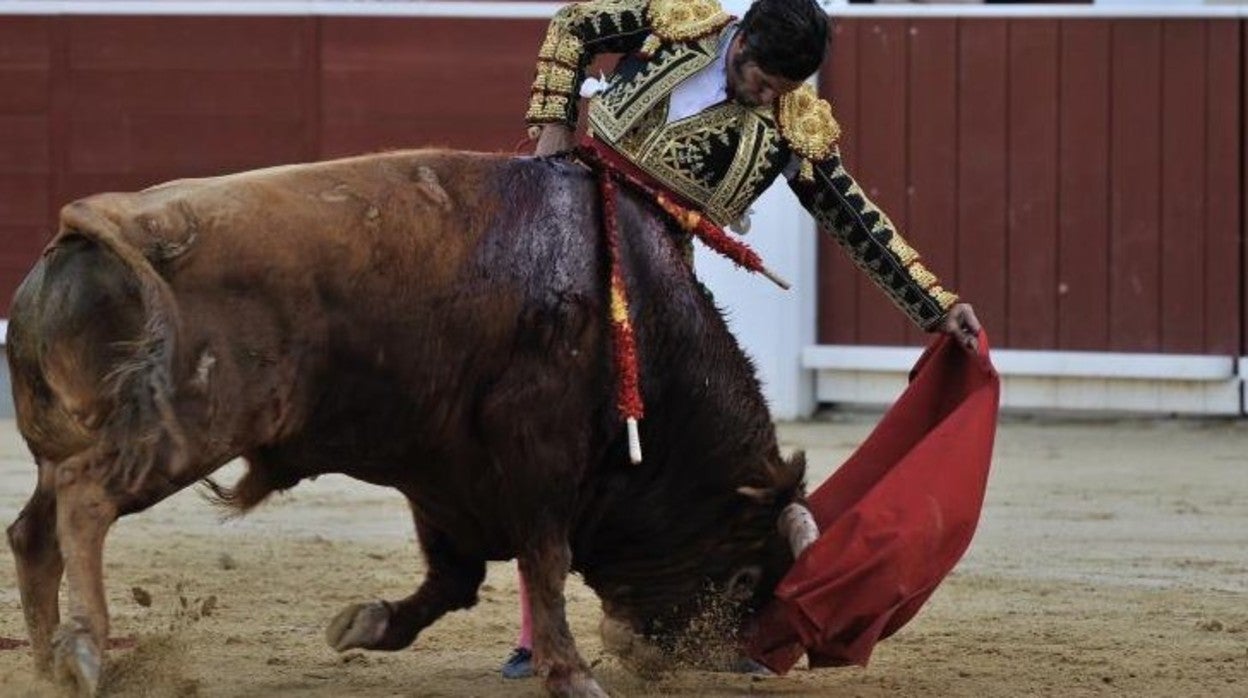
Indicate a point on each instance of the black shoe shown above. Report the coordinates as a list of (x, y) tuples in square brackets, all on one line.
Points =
[(745, 665), (519, 665)]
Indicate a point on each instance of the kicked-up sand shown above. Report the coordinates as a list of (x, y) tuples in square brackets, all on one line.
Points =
[(1112, 559)]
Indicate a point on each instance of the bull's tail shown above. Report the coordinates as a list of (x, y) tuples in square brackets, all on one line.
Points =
[(251, 489), (92, 346)]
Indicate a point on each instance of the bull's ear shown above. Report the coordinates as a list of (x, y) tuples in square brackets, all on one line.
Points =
[(793, 475), (762, 495)]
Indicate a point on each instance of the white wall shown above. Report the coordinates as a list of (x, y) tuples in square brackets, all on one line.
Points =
[(773, 325)]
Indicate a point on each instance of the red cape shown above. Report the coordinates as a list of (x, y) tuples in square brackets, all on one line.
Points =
[(893, 520)]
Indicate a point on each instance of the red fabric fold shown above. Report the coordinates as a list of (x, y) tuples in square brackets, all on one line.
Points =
[(894, 519)]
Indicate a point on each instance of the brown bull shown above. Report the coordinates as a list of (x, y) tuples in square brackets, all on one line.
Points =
[(434, 322)]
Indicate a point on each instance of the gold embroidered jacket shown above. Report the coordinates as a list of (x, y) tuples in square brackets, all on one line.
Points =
[(723, 158)]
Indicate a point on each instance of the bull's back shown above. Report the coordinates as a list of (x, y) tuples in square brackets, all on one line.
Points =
[(420, 223)]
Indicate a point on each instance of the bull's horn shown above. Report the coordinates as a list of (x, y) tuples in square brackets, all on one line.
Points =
[(797, 525), (762, 495)]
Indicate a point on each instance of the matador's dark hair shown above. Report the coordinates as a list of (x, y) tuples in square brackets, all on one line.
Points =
[(786, 37)]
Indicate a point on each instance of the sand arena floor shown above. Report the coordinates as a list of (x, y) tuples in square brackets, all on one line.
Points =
[(1112, 559)]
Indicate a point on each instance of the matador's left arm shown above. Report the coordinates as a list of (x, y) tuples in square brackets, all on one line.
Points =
[(841, 208)]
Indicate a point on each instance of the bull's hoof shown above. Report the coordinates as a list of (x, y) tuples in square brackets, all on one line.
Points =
[(362, 626), (76, 658), (577, 685)]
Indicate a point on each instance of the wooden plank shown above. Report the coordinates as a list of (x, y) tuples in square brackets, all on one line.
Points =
[(982, 169), (933, 149), (77, 186), (142, 100), (1033, 148), (111, 94), (1083, 187), (838, 278), (21, 244), (10, 278), (1243, 198), (187, 144), (24, 144), (370, 71), (24, 42), (358, 94), (202, 43), (25, 159), (351, 135), (1223, 181), (881, 158), (1135, 163), (1183, 153), (23, 200), (23, 90), (60, 94), (310, 88)]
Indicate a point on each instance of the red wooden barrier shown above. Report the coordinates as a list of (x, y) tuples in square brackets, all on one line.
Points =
[(25, 161), (1080, 180)]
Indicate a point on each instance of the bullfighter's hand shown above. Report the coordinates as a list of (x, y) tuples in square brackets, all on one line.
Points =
[(960, 323), (555, 138)]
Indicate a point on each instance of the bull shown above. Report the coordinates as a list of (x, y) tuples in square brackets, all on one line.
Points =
[(432, 321)]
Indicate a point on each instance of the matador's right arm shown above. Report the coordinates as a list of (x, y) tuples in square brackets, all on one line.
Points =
[(582, 30), (577, 33)]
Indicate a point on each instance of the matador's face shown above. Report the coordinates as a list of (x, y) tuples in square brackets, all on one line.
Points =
[(749, 84)]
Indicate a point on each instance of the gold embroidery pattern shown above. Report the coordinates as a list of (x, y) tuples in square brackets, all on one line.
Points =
[(679, 156), (943, 297), (651, 45), (574, 31), (807, 124), (686, 20), (561, 46), (924, 278), (631, 116), (599, 11), (635, 140), (749, 174), (554, 78), (544, 108), (902, 249), (614, 112)]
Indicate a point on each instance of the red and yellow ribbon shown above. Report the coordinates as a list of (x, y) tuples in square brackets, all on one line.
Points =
[(609, 168), (624, 341)]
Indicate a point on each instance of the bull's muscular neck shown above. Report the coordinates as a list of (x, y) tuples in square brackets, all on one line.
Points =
[(653, 535)]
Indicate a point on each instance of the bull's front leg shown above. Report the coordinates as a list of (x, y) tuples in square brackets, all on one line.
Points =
[(545, 568), (32, 538), (451, 583)]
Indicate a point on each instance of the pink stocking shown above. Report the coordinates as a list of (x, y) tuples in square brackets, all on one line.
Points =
[(525, 638)]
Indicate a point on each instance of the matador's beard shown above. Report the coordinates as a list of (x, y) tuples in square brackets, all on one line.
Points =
[(736, 76)]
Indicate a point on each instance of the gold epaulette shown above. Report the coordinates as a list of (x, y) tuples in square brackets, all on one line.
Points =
[(683, 20), (806, 123)]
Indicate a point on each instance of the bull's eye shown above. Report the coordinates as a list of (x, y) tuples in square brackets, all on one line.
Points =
[(742, 584)]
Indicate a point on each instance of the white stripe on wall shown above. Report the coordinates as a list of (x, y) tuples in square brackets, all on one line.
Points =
[(1048, 380), (1019, 362)]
